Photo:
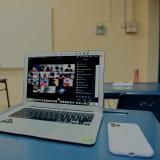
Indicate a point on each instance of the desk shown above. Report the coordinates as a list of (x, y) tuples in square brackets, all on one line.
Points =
[(27, 148), (111, 92)]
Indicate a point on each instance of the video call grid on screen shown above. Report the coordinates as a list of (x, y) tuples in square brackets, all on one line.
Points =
[(63, 79)]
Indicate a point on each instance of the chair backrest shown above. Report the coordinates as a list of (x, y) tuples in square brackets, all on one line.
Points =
[(139, 101)]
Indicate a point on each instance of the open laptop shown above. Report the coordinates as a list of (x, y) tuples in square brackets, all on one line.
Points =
[(63, 97)]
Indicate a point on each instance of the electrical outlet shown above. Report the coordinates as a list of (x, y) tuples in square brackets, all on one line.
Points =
[(101, 30)]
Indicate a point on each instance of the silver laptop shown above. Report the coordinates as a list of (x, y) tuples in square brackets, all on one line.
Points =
[(63, 97)]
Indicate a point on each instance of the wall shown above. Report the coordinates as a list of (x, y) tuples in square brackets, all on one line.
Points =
[(148, 39), (141, 14), (153, 40), (74, 24)]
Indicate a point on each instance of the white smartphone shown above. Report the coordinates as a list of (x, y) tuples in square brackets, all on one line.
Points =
[(128, 139)]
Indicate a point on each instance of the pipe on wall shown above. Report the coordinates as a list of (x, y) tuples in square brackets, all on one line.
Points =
[(130, 10), (129, 17)]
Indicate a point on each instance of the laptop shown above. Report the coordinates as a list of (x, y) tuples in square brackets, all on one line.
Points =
[(63, 97)]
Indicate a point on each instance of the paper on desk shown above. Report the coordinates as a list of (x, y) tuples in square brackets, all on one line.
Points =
[(122, 85)]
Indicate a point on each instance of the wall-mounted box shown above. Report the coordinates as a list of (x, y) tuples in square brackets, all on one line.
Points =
[(101, 29), (131, 27)]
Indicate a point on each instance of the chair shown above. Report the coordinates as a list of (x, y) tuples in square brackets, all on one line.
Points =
[(4, 81), (140, 101)]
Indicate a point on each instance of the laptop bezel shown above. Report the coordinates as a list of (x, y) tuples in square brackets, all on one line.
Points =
[(66, 106)]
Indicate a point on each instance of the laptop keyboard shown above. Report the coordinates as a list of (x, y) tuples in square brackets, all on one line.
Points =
[(54, 116)]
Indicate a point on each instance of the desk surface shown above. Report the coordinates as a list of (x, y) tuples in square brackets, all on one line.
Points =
[(114, 92), (27, 148)]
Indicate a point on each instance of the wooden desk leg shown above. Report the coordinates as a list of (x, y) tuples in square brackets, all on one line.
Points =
[(7, 94)]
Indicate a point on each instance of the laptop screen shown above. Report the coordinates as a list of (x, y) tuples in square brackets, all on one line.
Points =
[(63, 79)]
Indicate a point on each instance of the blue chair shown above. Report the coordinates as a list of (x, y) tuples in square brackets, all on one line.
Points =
[(140, 101)]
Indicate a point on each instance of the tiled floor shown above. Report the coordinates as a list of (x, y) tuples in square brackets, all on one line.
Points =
[(110, 103), (3, 108)]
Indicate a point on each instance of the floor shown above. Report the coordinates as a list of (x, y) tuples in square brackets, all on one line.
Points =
[(111, 103), (3, 108)]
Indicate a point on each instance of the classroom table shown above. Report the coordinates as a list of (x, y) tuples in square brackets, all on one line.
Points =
[(16, 147), (113, 92)]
